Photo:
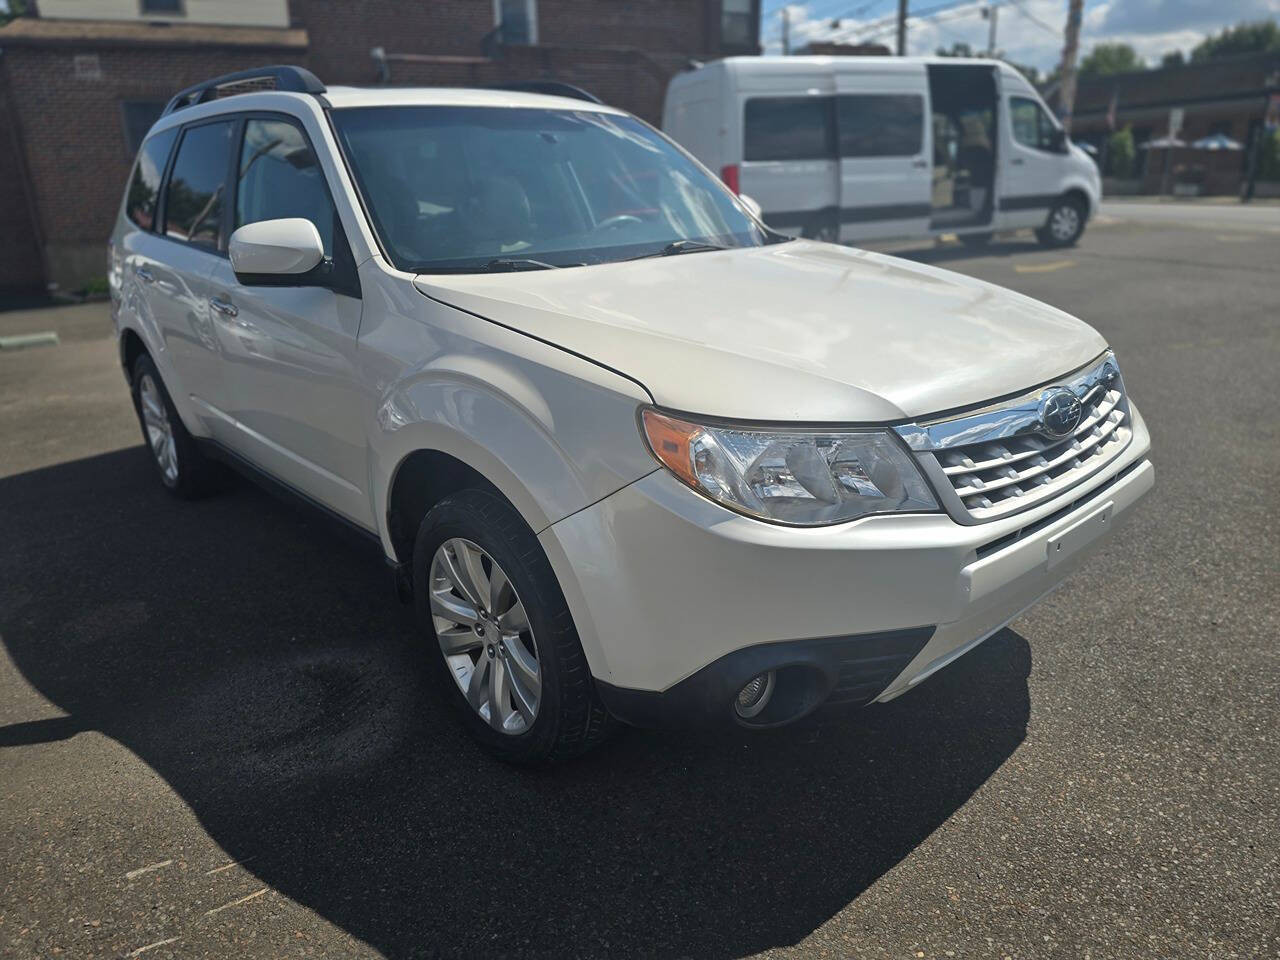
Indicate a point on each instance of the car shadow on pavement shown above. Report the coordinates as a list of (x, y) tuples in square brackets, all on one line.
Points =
[(259, 664)]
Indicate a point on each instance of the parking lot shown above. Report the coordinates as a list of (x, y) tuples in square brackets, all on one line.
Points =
[(217, 736)]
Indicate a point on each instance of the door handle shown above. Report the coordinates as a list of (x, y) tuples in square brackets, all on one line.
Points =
[(1017, 161), (145, 275), (920, 162), (224, 307)]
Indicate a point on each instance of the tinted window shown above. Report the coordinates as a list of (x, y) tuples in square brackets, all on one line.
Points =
[(788, 128), (880, 125), (457, 188), (279, 177), (144, 188), (1032, 127), (197, 186)]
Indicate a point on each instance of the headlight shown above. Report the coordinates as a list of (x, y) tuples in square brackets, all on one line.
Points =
[(801, 477)]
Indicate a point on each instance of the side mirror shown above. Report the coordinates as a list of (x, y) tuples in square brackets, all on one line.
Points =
[(1058, 141), (752, 207), (277, 249)]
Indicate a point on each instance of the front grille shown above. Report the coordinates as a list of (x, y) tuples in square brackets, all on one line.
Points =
[(1002, 460), (993, 478)]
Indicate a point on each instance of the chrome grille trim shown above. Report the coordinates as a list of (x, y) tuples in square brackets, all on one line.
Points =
[(1008, 418), (1001, 460)]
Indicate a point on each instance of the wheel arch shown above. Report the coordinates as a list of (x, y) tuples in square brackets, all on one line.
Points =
[(132, 346)]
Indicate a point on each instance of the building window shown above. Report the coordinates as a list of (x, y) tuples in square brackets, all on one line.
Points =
[(139, 115), (168, 8), (737, 20), (518, 20)]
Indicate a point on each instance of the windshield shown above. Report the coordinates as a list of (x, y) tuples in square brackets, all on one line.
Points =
[(463, 189)]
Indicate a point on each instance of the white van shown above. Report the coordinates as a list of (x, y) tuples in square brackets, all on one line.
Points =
[(862, 148)]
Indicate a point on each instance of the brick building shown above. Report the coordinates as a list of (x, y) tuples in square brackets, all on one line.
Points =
[(1227, 96), (82, 80)]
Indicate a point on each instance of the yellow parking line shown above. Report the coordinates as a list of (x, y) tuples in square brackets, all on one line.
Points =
[(1044, 267)]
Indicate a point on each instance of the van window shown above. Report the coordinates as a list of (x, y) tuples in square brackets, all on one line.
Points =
[(1031, 125), (279, 177), (144, 188), (788, 128), (880, 125), (198, 185)]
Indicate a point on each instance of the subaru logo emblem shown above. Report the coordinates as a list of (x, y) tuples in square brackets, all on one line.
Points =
[(1060, 412)]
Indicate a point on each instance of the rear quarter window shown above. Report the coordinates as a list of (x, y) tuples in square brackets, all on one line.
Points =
[(144, 187)]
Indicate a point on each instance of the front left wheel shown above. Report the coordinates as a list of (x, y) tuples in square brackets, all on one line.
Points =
[(1064, 225), (504, 641)]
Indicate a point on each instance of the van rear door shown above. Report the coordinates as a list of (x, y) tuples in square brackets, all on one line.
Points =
[(884, 145), (789, 161)]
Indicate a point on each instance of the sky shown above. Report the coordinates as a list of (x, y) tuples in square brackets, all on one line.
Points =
[(1028, 31)]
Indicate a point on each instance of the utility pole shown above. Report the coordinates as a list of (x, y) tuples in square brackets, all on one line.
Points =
[(902, 28), (1067, 92), (786, 30), (991, 30)]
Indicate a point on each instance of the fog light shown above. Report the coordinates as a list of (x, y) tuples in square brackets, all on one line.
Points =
[(754, 697)]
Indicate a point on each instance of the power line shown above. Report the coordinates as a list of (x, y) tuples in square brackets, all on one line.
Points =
[(1018, 5)]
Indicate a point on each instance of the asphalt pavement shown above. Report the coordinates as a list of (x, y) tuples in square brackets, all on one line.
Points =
[(217, 737)]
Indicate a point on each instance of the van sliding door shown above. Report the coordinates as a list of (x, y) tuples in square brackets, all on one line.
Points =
[(884, 148)]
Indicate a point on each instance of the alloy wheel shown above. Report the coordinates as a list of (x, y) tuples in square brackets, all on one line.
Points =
[(155, 418), (485, 636)]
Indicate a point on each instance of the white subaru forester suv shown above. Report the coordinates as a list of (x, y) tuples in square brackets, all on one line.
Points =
[(632, 455)]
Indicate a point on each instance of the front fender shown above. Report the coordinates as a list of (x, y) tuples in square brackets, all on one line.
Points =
[(552, 431)]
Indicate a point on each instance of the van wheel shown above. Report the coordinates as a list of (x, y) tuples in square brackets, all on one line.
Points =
[(501, 636), (184, 471), (1064, 225), (975, 239)]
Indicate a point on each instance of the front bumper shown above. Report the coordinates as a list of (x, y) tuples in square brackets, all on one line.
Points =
[(679, 602)]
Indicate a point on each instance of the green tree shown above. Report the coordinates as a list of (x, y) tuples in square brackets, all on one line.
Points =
[(1174, 58), (11, 8), (1108, 58), (1260, 37), (1120, 154), (958, 49)]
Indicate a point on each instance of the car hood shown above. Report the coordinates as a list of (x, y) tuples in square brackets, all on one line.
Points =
[(797, 331)]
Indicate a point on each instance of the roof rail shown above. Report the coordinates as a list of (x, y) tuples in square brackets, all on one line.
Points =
[(293, 79), (553, 88)]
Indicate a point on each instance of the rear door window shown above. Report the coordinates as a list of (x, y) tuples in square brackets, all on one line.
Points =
[(880, 125), (788, 128), (198, 185), (144, 188)]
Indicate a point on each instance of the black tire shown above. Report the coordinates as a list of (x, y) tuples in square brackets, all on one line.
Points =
[(975, 239), (193, 475), (570, 718), (1064, 225)]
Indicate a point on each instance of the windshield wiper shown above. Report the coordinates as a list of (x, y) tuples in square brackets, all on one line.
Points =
[(681, 246), (516, 263)]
